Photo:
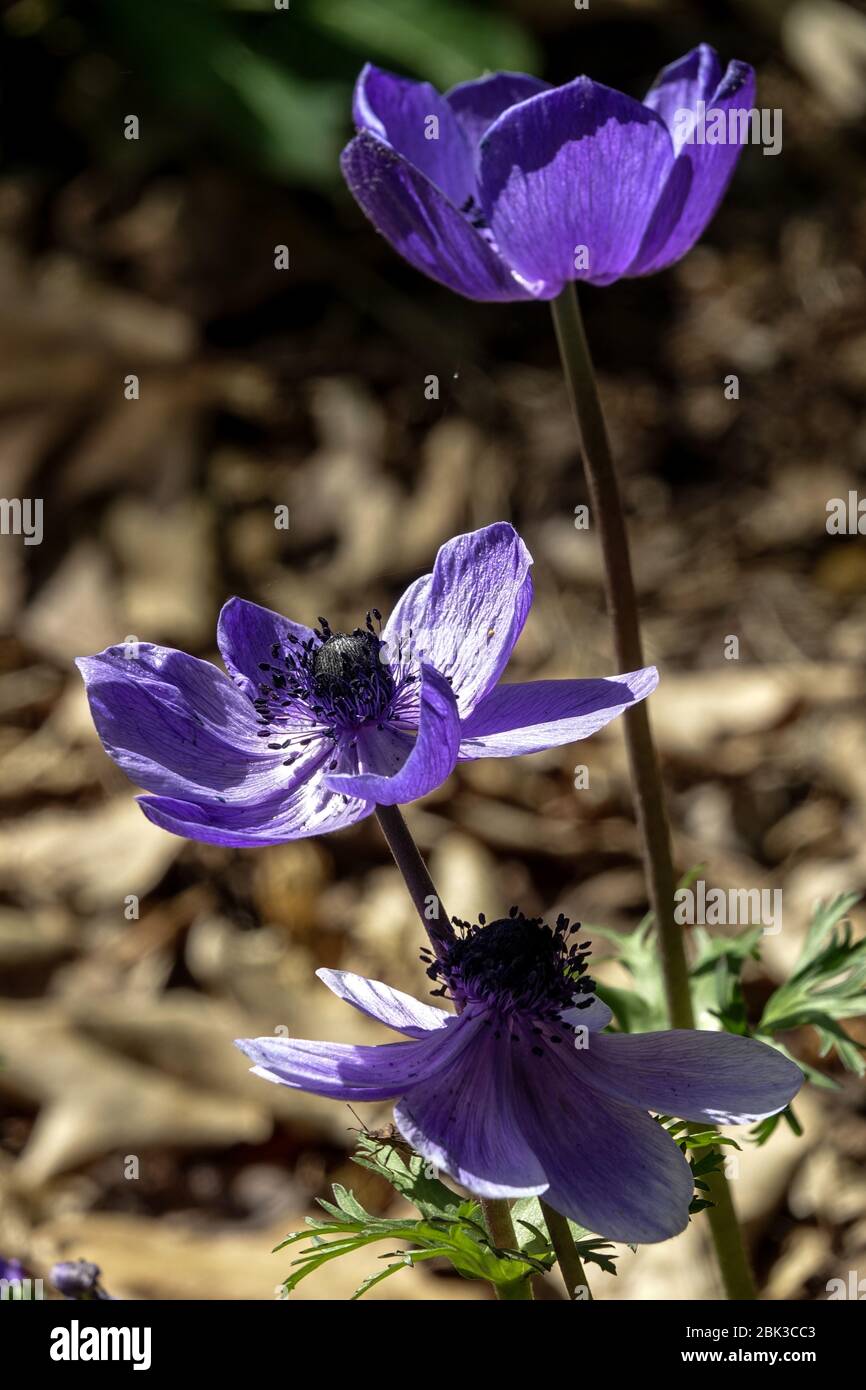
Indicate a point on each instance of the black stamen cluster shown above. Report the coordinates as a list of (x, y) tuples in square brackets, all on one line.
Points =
[(516, 965), (337, 679)]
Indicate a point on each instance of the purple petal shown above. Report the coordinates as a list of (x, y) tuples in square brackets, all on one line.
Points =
[(463, 1121), (389, 1006), (306, 807), (466, 616), (398, 111), (344, 1071), (681, 85), (580, 166), (701, 172), (245, 635), (420, 766), (610, 1167), (477, 104), (424, 226), (694, 1075), (524, 718), (178, 726)]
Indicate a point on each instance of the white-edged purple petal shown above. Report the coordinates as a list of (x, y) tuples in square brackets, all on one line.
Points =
[(421, 765), (569, 180), (425, 227), (694, 1075), (416, 121), (246, 634), (610, 1166), (463, 1121), (386, 1005), (530, 716), (477, 104), (702, 171), (346, 1071), (466, 616), (306, 807), (177, 726)]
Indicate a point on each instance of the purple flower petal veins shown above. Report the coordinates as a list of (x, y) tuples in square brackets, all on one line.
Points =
[(311, 728), (507, 188), (521, 1093)]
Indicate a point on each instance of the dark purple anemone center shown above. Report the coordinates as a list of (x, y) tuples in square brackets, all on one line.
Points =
[(516, 966), (330, 686)]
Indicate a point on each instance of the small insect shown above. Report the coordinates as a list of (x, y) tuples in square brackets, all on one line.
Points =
[(491, 632), (389, 1135)]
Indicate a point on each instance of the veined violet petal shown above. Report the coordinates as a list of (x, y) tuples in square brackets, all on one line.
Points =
[(466, 616), (417, 122), (246, 635), (717, 1077), (569, 180), (344, 1071), (386, 1005), (425, 227), (701, 172), (525, 718), (463, 1121), (307, 808), (477, 104), (430, 759), (611, 1167), (176, 725)]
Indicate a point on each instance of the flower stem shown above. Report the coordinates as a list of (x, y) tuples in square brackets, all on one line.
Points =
[(500, 1228), (422, 890), (728, 1239), (567, 1257), (622, 602), (646, 775), (425, 896)]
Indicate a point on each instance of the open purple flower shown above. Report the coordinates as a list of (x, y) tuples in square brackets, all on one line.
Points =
[(507, 188), (521, 1093), (11, 1271), (79, 1279), (316, 727)]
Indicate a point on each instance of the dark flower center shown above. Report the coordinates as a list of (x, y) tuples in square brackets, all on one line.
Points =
[(331, 686), (346, 658), (516, 965)]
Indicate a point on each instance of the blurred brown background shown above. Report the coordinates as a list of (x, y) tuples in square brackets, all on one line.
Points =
[(131, 1133)]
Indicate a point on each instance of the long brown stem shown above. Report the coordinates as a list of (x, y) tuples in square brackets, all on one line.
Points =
[(567, 1257), (422, 890), (500, 1228), (647, 786)]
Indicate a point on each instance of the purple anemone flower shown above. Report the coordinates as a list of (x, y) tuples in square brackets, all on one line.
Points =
[(79, 1279), (507, 188), (522, 1093), (314, 728), (11, 1270)]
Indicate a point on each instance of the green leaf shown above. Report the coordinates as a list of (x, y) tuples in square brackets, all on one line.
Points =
[(529, 1226), (348, 1203), (708, 1164), (705, 1137), (410, 1175), (828, 984), (372, 1279), (462, 1241), (205, 64), (763, 1131), (446, 42)]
